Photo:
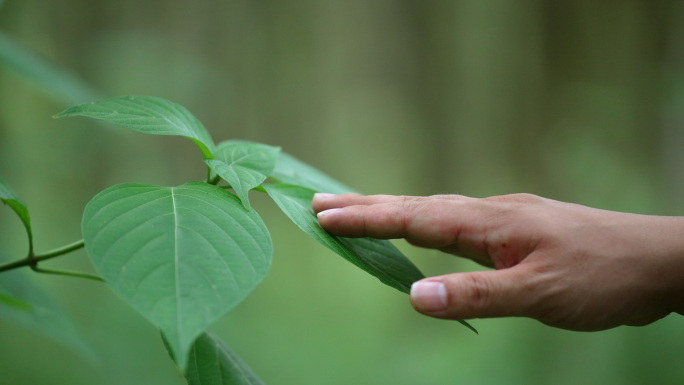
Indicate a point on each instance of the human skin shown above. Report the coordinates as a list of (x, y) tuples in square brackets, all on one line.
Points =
[(566, 265)]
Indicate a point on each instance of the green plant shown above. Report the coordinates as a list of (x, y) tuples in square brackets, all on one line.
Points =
[(184, 256)]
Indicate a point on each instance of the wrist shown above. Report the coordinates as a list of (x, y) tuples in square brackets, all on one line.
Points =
[(666, 248)]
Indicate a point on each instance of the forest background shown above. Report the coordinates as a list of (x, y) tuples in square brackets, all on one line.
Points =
[(578, 101)]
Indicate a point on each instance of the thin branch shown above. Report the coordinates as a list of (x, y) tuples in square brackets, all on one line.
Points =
[(32, 260)]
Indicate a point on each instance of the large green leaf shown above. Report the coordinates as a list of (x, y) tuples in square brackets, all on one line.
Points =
[(25, 303), (149, 115), (244, 165), (14, 201), (211, 362), (56, 82), (182, 256), (291, 170), (377, 257)]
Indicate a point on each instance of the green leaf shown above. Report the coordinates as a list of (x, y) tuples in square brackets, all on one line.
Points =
[(14, 201), (291, 170), (149, 115), (377, 257), (26, 304), (56, 82), (213, 363), (182, 256), (244, 165)]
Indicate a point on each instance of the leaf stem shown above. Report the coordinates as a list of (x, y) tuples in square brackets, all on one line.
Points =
[(67, 273), (59, 251), (215, 179)]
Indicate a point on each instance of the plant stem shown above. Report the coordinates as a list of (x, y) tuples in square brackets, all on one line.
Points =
[(32, 260), (14, 265)]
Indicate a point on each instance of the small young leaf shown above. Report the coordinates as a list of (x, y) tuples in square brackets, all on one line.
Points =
[(213, 363), (182, 256), (14, 201), (149, 115), (291, 170), (244, 165), (377, 257), (25, 303)]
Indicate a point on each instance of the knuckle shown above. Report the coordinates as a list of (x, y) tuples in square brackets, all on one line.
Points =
[(412, 206), (476, 294), (407, 205), (407, 202), (449, 197), (547, 297), (517, 198), (528, 198), (410, 203)]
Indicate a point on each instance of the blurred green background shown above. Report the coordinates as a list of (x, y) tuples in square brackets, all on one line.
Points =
[(579, 101)]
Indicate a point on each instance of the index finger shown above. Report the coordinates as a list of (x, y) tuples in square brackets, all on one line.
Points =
[(323, 201), (426, 221)]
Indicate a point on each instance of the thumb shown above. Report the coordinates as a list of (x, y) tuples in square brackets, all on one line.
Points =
[(481, 294)]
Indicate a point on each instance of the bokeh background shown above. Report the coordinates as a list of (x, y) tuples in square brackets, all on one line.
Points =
[(580, 101)]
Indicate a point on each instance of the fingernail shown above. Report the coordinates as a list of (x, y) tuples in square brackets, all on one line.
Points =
[(326, 212), (429, 296), (323, 195)]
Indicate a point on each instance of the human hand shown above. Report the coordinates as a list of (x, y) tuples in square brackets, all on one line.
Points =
[(566, 265)]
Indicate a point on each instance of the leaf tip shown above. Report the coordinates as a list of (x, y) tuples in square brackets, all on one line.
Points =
[(469, 326), (63, 114)]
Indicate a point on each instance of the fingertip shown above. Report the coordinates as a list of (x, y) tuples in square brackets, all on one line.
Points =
[(323, 196), (327, 213), (330, 220), (429, 297), (319, 201), (341, 221)]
